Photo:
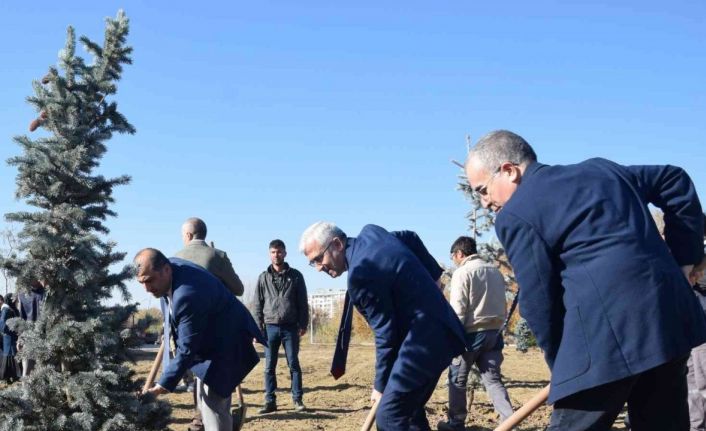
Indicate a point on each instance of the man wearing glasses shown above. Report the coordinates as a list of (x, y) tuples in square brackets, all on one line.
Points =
[(607, 299), (392, 282), (282, 310)]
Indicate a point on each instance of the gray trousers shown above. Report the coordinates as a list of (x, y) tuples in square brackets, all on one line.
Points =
[(696, 382), (215, 411), (488, 358)]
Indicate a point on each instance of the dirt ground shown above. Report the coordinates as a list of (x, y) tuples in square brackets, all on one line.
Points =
[(343, 404)]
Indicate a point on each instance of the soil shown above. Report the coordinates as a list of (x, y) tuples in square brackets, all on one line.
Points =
[(343, 404)]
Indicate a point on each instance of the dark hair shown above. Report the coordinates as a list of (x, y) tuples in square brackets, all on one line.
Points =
[(155, 258), (705, 224), (2, 298), (197, 227), (277, 243), (466, 244)]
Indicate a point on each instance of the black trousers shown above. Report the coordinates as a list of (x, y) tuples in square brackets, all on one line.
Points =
[(656, 398)]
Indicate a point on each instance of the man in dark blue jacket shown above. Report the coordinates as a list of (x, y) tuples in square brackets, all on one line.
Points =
[(392, 282), (212, 330), (607, 299)]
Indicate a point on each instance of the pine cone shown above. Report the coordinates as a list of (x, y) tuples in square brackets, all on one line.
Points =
[(43, 115), (35, 124), (46, 79)]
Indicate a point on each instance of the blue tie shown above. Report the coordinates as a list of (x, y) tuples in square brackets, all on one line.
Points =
[(338, 365)]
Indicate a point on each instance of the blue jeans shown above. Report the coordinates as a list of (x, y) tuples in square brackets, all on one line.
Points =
[(288, 336)]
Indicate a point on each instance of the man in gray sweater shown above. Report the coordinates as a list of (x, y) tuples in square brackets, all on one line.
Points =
[(478, 298), (282, 311)]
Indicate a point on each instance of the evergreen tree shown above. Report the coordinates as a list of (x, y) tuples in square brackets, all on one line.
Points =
[(81, 381), (482, 220)]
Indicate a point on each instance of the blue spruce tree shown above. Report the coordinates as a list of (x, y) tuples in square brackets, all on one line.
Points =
[(81, 380)]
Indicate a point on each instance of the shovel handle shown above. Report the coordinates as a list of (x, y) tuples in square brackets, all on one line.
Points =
[(527, 409), (155, 368), (370, 419), (239, 393)]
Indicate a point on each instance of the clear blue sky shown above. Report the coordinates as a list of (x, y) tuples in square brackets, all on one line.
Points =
[(263, 117)]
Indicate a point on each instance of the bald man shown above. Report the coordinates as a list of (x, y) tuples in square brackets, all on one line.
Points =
[(193, 234), (212, 330)]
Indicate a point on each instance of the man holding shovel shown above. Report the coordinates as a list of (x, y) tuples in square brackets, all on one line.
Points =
[(212, 330), (215, 261), (605, 296), (392, 282)]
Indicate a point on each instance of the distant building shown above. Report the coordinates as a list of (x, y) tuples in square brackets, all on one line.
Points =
[(327, 300)]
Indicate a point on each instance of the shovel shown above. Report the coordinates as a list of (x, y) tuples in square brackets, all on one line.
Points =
[(527, 409), (238, 413), (370, 419)]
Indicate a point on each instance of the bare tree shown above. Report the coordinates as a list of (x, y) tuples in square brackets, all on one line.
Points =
[(8, 238)]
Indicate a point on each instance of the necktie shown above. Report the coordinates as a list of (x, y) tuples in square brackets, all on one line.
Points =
[(338, 365)]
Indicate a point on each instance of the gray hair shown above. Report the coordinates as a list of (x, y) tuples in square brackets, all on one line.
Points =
[(321, 232), (195, 226), (500, 146)]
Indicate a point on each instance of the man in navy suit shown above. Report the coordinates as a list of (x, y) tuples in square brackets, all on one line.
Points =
[(212, 330), (607, 299), (392, 282)]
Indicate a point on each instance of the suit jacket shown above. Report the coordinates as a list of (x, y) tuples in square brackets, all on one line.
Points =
[(602, 292), (8, 337), (212, 329), (215, 261), (391, 281), (30, 304)]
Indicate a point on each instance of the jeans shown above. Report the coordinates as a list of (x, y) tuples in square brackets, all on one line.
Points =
[(656, 402), (288, 336), (487, 354)]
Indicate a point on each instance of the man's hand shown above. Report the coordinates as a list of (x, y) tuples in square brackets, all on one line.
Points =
[(302, 332), (155, 390), (375, 396), (688, 271)]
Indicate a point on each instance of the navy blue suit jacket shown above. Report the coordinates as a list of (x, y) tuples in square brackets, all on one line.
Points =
[(391, 281), (214, 331), (600, 289)]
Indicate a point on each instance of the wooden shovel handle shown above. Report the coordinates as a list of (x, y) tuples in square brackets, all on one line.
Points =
[(155, 368), (239, 394), (370, 419), (527, 409)]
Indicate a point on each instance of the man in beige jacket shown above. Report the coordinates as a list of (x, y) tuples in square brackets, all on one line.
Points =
[(478, 298), (215, 261)]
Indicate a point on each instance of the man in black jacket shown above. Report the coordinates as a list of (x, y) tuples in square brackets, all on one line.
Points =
[(282, 310)]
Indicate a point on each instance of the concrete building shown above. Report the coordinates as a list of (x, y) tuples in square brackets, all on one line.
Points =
[(327, 300)]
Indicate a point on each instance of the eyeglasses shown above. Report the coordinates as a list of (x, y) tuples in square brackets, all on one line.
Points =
[(320, 257), (483, 190)]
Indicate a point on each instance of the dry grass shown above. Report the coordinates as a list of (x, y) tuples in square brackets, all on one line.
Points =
[(343, 404)]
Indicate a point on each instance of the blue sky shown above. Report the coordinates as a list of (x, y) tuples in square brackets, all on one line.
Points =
[(263, 117)]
